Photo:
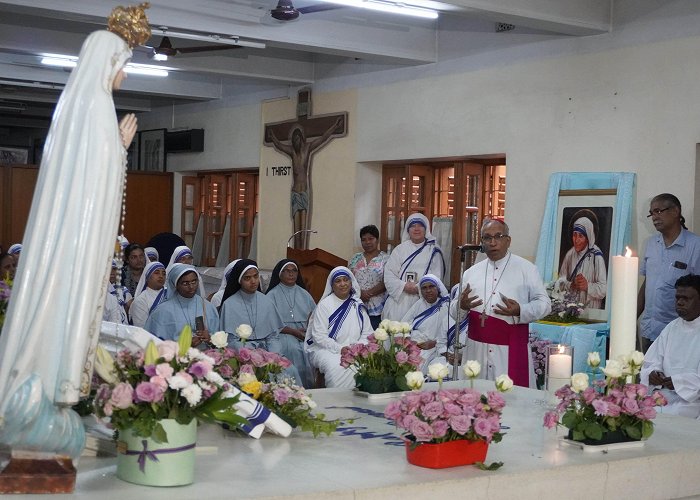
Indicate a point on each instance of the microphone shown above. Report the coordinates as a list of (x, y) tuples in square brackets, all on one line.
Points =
[(473, 248), (289, 241)]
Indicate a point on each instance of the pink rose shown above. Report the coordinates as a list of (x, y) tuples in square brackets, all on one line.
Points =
[(432, 410), (200, 369), (440, 428), (244, 354), (373, 348), (257, 358), (164, 370), (393, 410), (495, 401), (483, 428), (451, 409), (460, 424), (422, 431), (589, 394), (647, 413), (160, 382), (148, 393), (613, 410), (122, 396), (551, 419), (281, 396), (225, 371), (408, 421), (401, 357), (168, 350), (630, 406)]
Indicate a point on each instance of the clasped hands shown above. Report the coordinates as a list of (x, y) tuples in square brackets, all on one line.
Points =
[(659, 378), (200, 336), (509, 307)]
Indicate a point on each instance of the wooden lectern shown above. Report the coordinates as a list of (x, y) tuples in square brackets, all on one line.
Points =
[(315, 266)]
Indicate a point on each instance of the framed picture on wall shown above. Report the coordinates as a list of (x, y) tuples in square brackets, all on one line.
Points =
[(13, 156), (152, 150), (132, 154)]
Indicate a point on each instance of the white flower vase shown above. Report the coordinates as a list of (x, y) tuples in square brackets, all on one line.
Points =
[(143, 461)]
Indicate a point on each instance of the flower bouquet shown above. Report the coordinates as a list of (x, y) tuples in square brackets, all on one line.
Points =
[(538, 350), (613, 409), (565, 305), (256, 372), (449, 427), (382, 363), (154, 400)]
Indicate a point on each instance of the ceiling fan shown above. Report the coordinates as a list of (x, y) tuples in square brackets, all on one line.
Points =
[(285, 11), (166, 49)]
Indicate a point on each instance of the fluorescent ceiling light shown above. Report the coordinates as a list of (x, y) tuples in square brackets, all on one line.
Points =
[(222, 39), (64, 61), (388, 6)]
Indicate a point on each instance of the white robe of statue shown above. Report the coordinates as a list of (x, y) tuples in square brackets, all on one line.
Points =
[(53, 322)]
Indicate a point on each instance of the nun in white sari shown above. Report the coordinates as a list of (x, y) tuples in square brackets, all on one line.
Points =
[(48, 341), (340, 319), (181, 255), (417, 255), (150, 292), (428, 317)]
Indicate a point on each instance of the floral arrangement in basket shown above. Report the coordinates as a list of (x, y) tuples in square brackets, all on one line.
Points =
[(257, 373), (5, 292), (382, 363), (565, 305), (611, 408), (446, 415), (171, 381)]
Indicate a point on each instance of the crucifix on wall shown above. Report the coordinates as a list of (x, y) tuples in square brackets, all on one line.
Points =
[(299, 139)]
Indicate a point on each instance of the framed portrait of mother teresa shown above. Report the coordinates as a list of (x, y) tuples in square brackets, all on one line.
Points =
[(587, 219)]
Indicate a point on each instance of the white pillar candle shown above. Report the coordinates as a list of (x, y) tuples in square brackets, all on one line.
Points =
[(560, 366), (623, 318)]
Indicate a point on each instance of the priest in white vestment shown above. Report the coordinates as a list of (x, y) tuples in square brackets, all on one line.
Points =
[(672, 363), (417, 255), (501, 294)]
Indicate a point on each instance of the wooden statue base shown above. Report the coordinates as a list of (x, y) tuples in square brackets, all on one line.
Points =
[(38, 475)]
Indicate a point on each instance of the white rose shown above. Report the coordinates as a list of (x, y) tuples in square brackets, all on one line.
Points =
[(593, 359), (414, 380), (215, 378), (438, 371), (385, 324), (311, 404), (405, 328), (394, 327), (636, 358), (504, 383), (192, 393), (220, 339), (246, 378), (472, 368), (579, 382), (381, 334), (613, 369), (244, 331)]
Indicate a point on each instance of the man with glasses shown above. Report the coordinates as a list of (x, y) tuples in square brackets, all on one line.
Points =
[(501, 295), (184, 306), (671, 253)]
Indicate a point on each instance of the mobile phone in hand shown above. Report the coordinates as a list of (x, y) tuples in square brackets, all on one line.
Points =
[(199, 323)]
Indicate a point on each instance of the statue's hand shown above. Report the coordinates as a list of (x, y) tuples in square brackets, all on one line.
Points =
[(127, 129)]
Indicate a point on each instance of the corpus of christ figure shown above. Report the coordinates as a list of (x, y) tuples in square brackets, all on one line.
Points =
[(304, 136)]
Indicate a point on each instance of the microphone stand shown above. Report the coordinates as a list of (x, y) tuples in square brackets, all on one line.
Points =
[(457, 345), (289, 241)]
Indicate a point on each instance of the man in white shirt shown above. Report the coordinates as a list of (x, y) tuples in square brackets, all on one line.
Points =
[(501, 295), (672, 363)]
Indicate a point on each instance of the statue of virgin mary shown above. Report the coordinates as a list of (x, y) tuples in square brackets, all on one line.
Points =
[(52, 324)]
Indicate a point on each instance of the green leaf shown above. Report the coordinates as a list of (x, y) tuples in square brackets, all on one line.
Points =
[(491, 466), (633, 431), (594, 431), (647, 429), (159, 435)]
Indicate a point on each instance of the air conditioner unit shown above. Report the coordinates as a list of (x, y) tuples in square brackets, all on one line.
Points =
[(185, 141)]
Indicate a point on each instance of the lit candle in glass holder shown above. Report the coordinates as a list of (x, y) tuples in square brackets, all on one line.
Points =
[(560, 362)]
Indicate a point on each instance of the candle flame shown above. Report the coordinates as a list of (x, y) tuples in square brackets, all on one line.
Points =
[(628, 253), (561, 349)]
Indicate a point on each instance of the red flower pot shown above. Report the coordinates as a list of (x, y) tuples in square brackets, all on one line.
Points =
[(449, 454)]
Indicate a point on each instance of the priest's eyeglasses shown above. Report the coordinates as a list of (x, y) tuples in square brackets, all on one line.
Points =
[(658, 211), (487, 238)]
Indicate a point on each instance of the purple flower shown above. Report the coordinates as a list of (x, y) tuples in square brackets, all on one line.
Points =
[(422, 431), (244, 354), (148, 393), (401, 357), (630, 406), (440, 428), (122, 395), (496, 401), (483, 428), (601, 407), (149, 370), (281, 395), (551, 419), (393, 410), (200, 369), (432, 410), (452, 409), (460, 424)]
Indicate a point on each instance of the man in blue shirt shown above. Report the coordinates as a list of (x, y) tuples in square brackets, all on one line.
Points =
[(668, 255)]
